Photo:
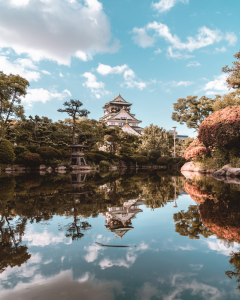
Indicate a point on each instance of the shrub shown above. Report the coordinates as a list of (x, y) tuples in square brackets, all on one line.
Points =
[(153, 156), (7, 155), (20, 152), (221, 129), (32, 148), (141, 160), (104, 164), (176, 161), (162, 161), (94, 157), (48, 153), (32, 159), (65, 153), (196, 150)]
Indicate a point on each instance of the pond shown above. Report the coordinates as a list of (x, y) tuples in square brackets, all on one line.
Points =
[(128, 235)]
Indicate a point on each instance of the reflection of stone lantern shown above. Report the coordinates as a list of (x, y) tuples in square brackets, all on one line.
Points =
[(77, 157)]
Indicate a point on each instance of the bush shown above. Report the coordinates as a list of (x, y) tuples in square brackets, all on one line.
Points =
[(141, 160), (7, 155), (176, 161), (104, 164), (65, 153), (49, 153), (20, 152), (221, 129), (32, 148), (196, 150), (94, 157), (163, 161), (32, 160), (153, 156)]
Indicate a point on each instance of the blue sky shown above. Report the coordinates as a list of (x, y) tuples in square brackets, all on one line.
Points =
[(152, 52)]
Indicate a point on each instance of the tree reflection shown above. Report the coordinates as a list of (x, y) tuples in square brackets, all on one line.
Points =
[(218, 212)]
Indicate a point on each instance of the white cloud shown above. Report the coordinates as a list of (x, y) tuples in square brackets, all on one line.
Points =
[(42, 95), (219, 246), (60, 74), (222, 49), (217, 86), (158, 51), (106, 69), (165, 5), (96, 87), (141, 38), (92, 254), (128, 75), (55, 29), (185, 83), (205, 37), (46, 72), (20, 67), (193, 64), (231, 38), (187, 248)]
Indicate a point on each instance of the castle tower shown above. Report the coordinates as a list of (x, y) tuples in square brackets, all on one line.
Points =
[(117, 113)]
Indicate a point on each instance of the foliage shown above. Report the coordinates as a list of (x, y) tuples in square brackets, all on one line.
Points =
[(12, 88), (156, 138), (221, 129), (140, 159), (20, 152), (72, 108), (227, 100), (233, 79), (104, 164), (196, 150), (192, 110), (7, 155), (189, 223), (32, 160), (162, 161), (235, 262), (95, 157), (48, 153)]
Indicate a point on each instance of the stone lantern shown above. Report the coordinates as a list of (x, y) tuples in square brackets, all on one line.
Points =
[(77, 159)]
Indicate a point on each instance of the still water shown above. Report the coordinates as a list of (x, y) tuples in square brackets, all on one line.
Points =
[(145, 235)]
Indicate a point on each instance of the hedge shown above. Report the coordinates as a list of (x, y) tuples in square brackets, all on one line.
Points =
[(47, 153), (32, 160), (7, 155), (20, 152)]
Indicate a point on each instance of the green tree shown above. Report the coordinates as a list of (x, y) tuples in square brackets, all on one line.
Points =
[(72, 108), (192, 110), (156, 138), (235, 262), (7, 155), (12, 88), (233, 79), (227, 100)]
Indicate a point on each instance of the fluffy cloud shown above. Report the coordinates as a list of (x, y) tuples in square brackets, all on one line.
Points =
[(42, 95), (205, 37), (22, 67), (46, 72), (165, 5), (105, 69), (158, 51), (96, 87), (141, 38), (55, 29), (128, 75), (217, 86), (193, 64)]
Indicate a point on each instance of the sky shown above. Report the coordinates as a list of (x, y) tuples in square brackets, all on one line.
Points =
[(151, 52)]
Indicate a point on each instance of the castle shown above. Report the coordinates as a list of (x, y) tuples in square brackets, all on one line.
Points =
[(117, 113)]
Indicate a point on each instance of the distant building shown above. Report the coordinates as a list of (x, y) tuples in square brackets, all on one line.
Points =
[(181, 138), (117, 113)]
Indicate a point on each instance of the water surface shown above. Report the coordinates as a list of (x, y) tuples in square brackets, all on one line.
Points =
[(181, 237)]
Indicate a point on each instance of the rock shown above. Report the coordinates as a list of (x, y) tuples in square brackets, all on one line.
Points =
[(192, 175), (232, 172), (10, 169), (42, 167), (60, 168), (76, 167), (49, 170), (20, 169), (226, 166), (231, 180), (189, 166), (219, 173), (113, 168), (42, 173)]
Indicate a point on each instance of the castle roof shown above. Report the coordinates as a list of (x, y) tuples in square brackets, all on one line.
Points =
[(118, 100)]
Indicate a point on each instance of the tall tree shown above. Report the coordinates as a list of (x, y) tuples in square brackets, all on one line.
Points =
[(156, 138), (72, 108), (233, 79), (12, 88), (192, 110)]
